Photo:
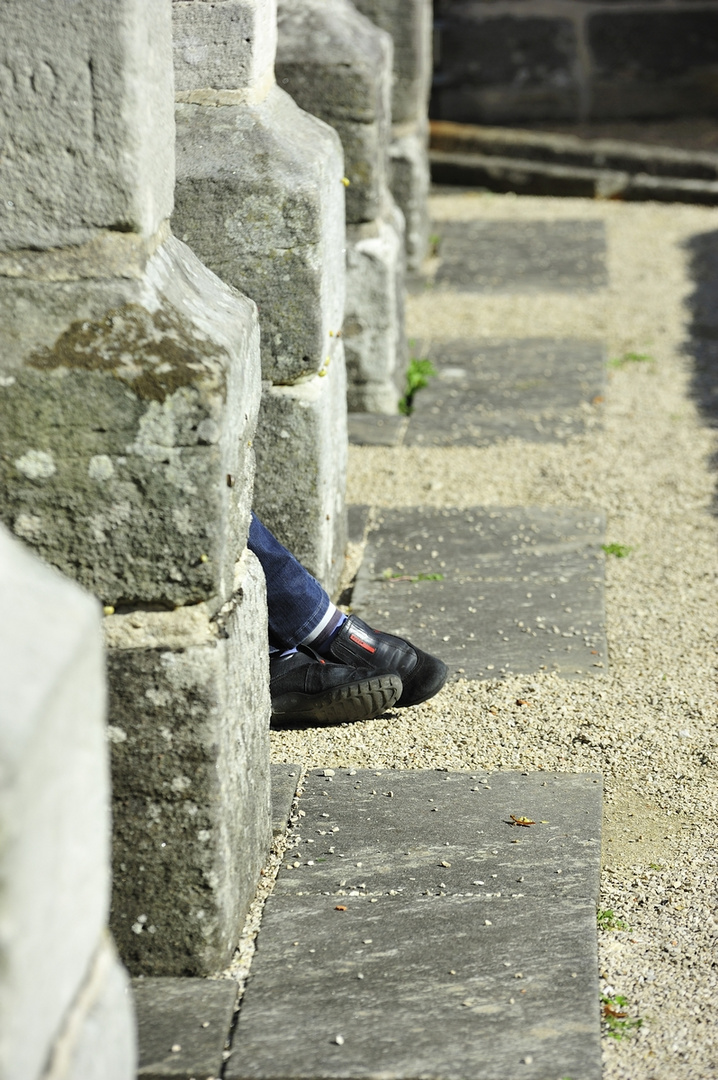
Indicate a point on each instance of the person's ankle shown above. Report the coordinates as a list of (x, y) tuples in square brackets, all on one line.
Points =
[(331, 624)]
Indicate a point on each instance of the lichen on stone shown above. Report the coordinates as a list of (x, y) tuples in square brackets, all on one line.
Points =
[(156, 353)]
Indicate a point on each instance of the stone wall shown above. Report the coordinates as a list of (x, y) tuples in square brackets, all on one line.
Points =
[(259, 197), (129, 395), (65, 1013), (409, 22), (135, 398), (337, 65), (503, 61)]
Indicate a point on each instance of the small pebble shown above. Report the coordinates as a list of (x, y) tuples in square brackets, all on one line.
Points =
[(339, 1040), (176, 1048)]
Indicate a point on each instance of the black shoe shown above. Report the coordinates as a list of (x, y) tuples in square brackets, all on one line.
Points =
[(305, 687), (421, 674)]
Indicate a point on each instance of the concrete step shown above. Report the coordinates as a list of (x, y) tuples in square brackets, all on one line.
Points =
[(491, 590), (417, 931)]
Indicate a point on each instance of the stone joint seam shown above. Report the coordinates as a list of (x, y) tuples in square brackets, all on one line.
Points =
[(108, 255)]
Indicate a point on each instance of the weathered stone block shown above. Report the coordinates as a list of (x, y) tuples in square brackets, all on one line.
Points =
[(409, 182), (54, 823), (259, 198), (190, 778), (653, 63), (495, 69), (409, 22), (374, 338), (128, 409), (337, 66), (99, 1039), (301, 449), (333, 61), (87, 120), (227, 46)]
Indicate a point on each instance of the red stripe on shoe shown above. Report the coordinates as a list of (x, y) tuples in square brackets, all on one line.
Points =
[(362, 644)]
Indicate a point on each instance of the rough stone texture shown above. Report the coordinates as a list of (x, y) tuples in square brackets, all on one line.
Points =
[(653, 63), (192, 1014), (87, 116), (190, 771), (476, 924), (522, 256), (337, 65), (374, 337), (128, 410), (487, 390), (98, 1040), (301, 447), (284, 786), (54, 792), (500, 62), (490, 590), (410, 24), (260, 200), (229, 46), (495, 66), (409, 182)]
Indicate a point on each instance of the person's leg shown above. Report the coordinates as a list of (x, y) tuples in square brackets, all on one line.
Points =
[(300, 612)]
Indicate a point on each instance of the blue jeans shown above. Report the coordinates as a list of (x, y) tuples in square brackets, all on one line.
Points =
[(296, 601)]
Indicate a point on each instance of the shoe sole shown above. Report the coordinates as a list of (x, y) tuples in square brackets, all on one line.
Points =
[(360, 700)]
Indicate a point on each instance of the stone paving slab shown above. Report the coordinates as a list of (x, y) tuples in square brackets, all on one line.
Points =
[(423, 935), (520, 589), (534, 389), (357, 518), (374, 429), (174, 1012), (284, 780), (521, 256)]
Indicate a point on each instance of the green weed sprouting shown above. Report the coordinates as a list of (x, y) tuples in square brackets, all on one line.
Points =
[(608, 920), (389, 575), (617, 1023), (619, 550), (418, 374), (630, 358)]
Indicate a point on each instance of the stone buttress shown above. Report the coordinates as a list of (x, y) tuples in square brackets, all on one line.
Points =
[(259, 197), (410, 24), (129, 393), (337, 65), (65, 1011)]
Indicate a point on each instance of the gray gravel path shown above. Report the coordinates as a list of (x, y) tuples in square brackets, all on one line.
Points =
[(649, 723)]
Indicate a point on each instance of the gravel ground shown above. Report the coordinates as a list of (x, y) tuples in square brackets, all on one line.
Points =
[(648, 724)]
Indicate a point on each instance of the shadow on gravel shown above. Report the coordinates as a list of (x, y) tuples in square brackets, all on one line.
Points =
[(702, 345)]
